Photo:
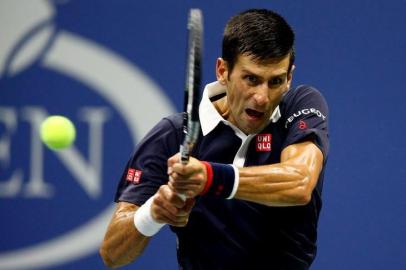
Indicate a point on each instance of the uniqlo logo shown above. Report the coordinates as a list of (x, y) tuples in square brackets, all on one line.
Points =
[(137, 176), (133, 175), (264, 142)]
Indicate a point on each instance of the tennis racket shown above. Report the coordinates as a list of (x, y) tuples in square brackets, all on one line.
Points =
[(191, 124)]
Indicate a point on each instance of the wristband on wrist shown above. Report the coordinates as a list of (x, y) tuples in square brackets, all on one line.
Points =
[(143, 220), (236, 182), (209, 181), (222, 180)]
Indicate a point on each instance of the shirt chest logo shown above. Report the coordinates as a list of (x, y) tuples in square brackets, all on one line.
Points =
[(263, 142)]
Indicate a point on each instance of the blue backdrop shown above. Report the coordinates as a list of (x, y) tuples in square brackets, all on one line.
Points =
[(116, 67)]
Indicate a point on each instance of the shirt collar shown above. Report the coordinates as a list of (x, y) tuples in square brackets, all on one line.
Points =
[(210, 117)]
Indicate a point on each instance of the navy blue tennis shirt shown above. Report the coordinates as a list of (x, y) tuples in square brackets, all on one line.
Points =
[(237, 234)]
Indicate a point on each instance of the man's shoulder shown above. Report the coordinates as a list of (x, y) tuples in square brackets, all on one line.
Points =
[(175, 120), (302, 94), (301, 91), (169, 126)]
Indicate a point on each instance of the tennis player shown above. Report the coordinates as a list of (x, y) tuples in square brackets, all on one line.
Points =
[(254, 182)]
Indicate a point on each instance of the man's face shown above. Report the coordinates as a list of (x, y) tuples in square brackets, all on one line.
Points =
[(254, 89)]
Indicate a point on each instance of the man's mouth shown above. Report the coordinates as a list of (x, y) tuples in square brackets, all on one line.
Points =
[(254, 114)]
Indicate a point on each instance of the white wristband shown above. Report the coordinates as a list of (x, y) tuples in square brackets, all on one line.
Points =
[(143, 220), (236, 182)]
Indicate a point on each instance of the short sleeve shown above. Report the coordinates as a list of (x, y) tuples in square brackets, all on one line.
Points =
[(146, 170), (305, 115)]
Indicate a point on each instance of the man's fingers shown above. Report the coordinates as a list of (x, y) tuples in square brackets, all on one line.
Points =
[(191, 189), (174, 159), (191, 186), (189, 205), (186, 169), (168, 196), (169, 215), (177, 185), (198, 176), (167, 207), (166, 217), (179, 169)]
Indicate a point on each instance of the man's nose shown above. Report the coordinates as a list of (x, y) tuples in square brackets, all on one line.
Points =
[(261, 95)]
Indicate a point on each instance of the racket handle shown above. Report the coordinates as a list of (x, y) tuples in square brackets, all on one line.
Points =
[(184, 159), (184, 153)]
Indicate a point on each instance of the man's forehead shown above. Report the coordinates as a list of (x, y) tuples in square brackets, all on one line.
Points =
[(276, 66)]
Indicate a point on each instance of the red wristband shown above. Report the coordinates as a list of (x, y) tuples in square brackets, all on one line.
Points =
[(209, 181)]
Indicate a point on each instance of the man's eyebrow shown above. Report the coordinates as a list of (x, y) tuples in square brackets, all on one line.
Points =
[(247, 71), (282, 74)]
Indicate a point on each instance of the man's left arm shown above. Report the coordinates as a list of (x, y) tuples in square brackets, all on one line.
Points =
[(288, 183)]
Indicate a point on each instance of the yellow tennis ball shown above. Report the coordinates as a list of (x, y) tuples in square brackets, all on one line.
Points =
[(57, 132)]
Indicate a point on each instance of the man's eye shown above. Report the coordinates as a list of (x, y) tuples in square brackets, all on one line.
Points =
[(252, 79), (276, 81)]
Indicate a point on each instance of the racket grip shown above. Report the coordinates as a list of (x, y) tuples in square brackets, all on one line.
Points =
[(184, 159), (182, 196), (184, 154)]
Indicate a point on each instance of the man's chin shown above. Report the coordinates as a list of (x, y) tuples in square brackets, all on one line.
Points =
[(253, 129), (250, 125)]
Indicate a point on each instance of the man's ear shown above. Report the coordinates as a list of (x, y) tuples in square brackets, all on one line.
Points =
[(221, 71), (290, 75)]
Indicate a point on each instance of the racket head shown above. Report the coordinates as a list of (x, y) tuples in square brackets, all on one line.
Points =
[(191, 124)]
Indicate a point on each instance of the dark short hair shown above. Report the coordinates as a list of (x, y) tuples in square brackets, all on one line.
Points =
[(260, 33)]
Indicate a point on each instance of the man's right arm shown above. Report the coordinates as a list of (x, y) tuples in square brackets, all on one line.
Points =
[(123, 243)]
